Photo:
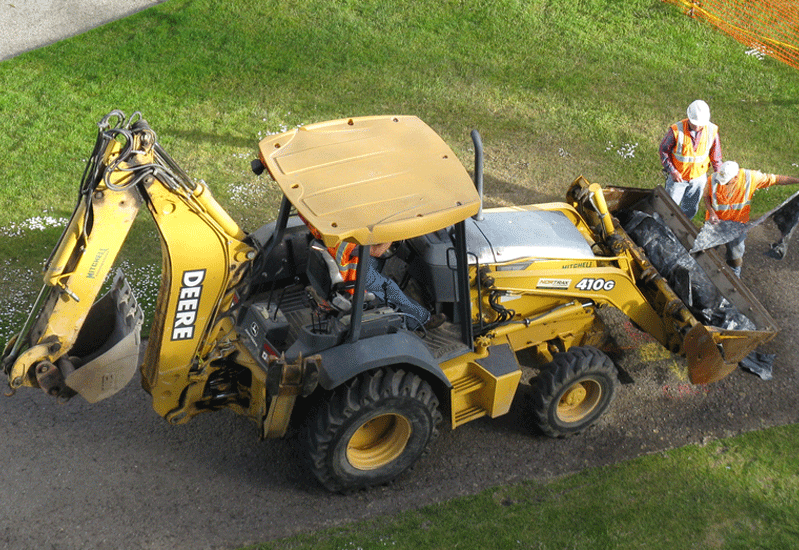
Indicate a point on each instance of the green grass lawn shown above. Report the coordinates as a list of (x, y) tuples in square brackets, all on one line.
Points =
[(557, 90)]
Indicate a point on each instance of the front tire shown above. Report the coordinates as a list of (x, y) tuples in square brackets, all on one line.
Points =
[(574, 391), (372, 430)]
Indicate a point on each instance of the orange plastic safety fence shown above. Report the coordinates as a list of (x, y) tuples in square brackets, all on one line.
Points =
[(769, 27)]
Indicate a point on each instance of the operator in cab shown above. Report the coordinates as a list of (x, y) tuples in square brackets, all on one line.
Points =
[(385, 289)]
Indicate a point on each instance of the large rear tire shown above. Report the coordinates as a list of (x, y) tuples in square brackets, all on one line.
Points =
[(574, 391), (372, 430)]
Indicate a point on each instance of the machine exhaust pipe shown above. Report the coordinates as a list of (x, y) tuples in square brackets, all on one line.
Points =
[(478, 171)]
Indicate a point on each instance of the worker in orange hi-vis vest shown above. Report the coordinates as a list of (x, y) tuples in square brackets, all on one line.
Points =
[(728, 195), (385, 289), (689, 147)]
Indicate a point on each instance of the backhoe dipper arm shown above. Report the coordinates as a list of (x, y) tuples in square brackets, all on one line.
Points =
[(203, 252), (77, 268)]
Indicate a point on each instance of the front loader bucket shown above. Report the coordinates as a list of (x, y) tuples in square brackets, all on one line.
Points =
[(712, 352), (704, 356), (106, 352), (707, 313)]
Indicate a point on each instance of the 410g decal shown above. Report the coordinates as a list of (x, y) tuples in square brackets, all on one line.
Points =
[(590, 284)]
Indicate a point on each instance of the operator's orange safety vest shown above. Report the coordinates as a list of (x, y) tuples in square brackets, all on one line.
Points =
[(346, 256), (689, 162), (731, 201)]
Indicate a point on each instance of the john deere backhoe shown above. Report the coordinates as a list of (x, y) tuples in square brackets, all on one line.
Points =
[(264, 325)]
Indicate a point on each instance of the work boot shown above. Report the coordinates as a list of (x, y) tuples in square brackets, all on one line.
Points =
[(435, 321)]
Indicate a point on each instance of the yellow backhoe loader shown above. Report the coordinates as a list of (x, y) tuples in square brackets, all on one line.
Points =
[(263, 323)]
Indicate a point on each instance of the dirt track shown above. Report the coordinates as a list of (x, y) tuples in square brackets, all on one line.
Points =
[(115, 475)]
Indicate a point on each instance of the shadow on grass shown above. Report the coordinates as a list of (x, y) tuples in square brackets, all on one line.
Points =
[(225, 139), (500, 192)]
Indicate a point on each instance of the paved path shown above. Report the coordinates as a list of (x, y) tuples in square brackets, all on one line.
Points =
[(29, 24)]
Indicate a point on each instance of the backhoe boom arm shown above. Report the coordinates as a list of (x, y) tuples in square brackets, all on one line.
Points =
[(204, 255)]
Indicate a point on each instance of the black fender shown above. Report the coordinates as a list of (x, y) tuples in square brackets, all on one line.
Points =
[(348, 360)]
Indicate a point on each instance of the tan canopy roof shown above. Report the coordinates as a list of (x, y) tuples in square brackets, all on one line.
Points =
[(371, 180)]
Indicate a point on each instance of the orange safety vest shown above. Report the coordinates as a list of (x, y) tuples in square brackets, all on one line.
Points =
[(346, 256), (689, 162), (731, 201)]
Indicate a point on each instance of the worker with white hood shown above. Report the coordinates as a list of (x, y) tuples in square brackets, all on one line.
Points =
[(728, 195)]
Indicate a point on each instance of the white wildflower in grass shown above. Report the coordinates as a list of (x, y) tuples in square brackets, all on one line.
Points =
[(250, 193), (756, 52), (625, 151), (281, 128), (145, 280), (20, 286), (36, 223)]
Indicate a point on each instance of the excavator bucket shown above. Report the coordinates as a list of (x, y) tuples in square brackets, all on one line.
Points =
[(106, 352)]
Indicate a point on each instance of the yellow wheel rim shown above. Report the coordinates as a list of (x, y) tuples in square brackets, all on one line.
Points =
[(579, 400), (378, 441)]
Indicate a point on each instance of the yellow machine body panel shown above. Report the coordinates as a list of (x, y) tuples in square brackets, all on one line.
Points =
[(201, 260)]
